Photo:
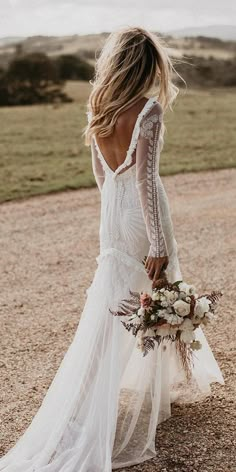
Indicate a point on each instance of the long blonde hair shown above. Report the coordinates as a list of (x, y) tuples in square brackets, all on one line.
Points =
[(131, 63)]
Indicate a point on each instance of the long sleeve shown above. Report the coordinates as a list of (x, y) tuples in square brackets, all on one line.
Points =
[(97, 166), (147, 171), (98, 170)]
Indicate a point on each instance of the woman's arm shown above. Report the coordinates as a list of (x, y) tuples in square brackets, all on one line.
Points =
[(147, 171), (97, 166), (98, 171)]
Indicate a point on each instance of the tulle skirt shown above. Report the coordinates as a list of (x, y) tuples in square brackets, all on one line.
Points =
[(103, 406)]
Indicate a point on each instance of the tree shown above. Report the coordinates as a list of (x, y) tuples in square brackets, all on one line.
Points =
[(73, 68), (31, 78)]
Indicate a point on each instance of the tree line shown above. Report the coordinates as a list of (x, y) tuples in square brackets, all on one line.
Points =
[(37, 78)]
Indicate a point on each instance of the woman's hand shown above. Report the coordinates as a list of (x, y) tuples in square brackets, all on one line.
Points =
[(154, 267)]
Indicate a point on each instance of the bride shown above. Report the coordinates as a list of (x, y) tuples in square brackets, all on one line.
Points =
[(103, 406)]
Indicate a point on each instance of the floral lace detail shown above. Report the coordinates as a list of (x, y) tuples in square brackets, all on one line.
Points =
[(146, 129), (149, 137)]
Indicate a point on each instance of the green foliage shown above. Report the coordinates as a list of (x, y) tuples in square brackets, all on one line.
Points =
[(72, 67), (35, 69), (31, 79)]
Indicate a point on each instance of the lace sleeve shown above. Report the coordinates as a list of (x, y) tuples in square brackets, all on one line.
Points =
[(98, 171), (97, 166), (147, 171)]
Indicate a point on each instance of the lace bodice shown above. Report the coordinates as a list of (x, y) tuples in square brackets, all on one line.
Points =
[(142, 163)]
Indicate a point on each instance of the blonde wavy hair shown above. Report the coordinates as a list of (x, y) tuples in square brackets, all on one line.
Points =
[(132, 62)]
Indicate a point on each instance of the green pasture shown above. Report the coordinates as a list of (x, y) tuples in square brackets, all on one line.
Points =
[(42, 149)]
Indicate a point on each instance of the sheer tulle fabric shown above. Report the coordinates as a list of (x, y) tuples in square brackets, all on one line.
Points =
[(103, 406)]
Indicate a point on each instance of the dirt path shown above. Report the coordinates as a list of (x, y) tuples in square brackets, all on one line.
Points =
[(48, 247)]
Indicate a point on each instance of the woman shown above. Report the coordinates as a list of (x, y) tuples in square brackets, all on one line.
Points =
[(103, 406)]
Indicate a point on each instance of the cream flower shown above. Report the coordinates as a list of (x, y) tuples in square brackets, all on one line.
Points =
[(181, 307), (164, 303), (187, 336), (187, 325), (141, 312), (173, 319), (150, 332), (188, 289), (163, 330), (155, 296), (171, 296), (201, 307)]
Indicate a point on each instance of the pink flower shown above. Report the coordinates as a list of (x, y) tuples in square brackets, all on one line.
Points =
[(145, 300)]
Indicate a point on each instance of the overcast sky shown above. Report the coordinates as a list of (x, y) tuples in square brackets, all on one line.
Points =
[(62, 17)]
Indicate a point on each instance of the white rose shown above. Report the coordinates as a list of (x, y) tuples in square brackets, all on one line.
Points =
[(201, 307), (152, 317), (187, 336), (182, 308), (188, 289)]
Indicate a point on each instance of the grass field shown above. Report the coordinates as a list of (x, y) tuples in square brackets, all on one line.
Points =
[(42, 150)]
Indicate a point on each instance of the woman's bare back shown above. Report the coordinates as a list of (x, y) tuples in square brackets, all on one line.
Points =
[(115, 146)]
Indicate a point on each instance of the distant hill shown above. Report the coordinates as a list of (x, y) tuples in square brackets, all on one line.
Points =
[(86, 46), (10, 40), (225, 32)]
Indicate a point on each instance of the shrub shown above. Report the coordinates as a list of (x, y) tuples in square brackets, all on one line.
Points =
[(207, 72), (71, 67)]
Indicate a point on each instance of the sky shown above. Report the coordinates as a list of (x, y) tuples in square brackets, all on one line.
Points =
[(66, 17)]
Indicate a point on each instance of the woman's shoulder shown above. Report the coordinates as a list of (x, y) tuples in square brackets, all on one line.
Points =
[(138, 111), (130, 114)]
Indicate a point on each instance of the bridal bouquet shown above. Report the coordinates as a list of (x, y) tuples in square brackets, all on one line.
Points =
[(172, 312)]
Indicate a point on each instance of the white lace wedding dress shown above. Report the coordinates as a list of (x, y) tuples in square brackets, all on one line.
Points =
[(103, 406)]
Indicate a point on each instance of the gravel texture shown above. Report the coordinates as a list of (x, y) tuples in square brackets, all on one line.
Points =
[(48, 249)]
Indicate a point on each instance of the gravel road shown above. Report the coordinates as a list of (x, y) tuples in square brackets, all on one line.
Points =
[(48, 247)]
